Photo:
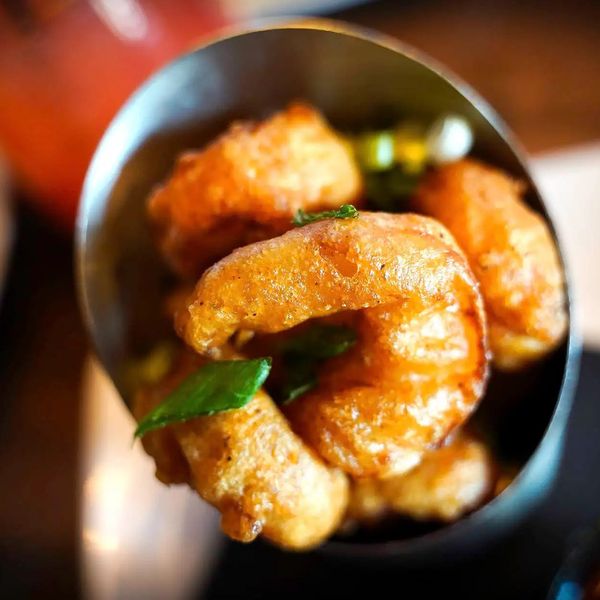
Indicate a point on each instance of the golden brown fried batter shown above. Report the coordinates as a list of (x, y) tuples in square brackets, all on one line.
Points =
[(250, 466), (247, 184), (449, 483), (511, 252), (420, 364)]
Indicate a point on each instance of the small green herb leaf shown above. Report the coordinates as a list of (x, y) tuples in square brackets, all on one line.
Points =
[(375, 150), (152, 367), (346, 211), (213, 388)]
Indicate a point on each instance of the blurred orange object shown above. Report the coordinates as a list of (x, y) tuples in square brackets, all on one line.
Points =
[(65, 68)]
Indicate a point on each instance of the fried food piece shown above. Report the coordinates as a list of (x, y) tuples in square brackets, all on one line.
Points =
[(250, 466), (448, 483), (511, 252), (420, 364), (247, 184)]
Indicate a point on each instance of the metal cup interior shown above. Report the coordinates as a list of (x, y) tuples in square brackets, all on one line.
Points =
[(357, 79)]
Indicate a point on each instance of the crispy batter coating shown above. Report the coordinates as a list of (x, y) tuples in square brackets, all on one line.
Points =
[(420, 364), (511, 252), (247, 184), (449, 483), (250, 466)]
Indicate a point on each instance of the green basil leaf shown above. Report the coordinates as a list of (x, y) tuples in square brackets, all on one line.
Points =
[(346, 211), (214, 387)]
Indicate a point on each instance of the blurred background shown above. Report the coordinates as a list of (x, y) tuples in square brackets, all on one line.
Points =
[(65, 68)]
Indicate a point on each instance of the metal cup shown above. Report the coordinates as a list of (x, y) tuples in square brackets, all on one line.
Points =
[(358, 78)]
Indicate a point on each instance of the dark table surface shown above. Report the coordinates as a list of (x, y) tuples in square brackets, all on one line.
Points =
[(537, 63)]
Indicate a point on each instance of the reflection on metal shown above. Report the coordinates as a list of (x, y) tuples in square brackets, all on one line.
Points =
[(237, 10), (139, 538)]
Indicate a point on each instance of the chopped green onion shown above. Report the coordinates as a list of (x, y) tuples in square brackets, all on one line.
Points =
[(213, 388), (410, 147), (346, 211), (152, 367), (402, 184), (375, 150), (390, 191)]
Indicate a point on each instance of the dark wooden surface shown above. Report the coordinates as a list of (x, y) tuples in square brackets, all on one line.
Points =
[(537, 63)]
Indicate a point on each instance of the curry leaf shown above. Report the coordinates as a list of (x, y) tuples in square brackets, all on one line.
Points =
[(321, 341), (300, 377), (303, 353), (213, 388)]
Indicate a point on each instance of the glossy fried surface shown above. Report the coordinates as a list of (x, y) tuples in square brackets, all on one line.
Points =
[(420, 365), (247, 184), (511, 252), (250, 466), (448, 483)]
